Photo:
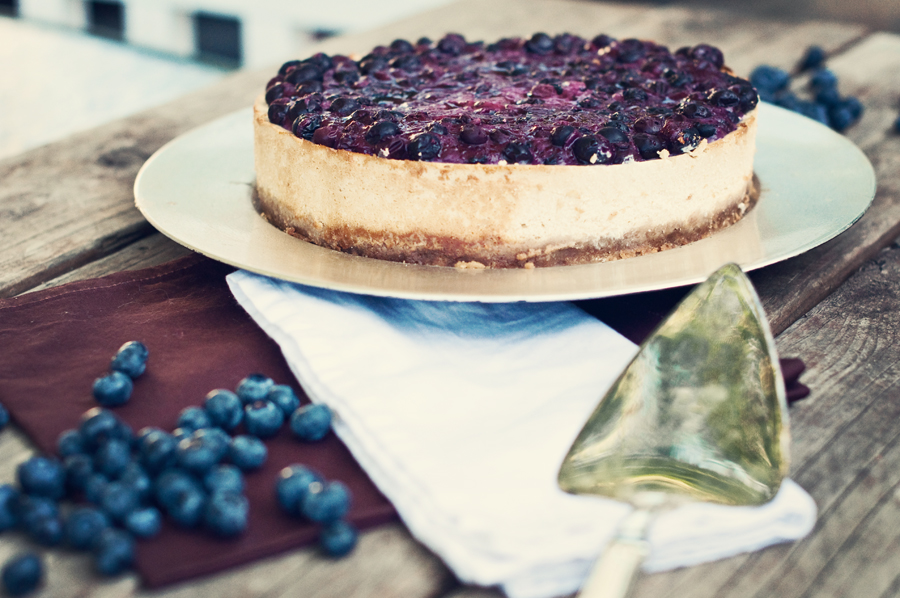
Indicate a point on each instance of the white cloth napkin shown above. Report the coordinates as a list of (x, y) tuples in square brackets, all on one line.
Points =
[(461, 414)]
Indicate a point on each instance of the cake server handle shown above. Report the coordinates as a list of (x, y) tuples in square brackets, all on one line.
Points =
[(613, 575)]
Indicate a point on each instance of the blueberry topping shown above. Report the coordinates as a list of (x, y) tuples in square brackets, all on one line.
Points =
[(305, 127), (724, 98), (709, 54), (380, 131), (648, 146), (275, 92), (517, 153), (344, 106), (290, 64), (706, 130), (278, 112), (590, 150), (473, 135), (424, 146), (561, 134), (303, 74), (452, 44), (401, 46), (540, 43), (22, 574), (685, 141), (614, 134)]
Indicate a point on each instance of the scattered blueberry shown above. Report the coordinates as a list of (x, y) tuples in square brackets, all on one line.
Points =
[(292, 486), (78, 468), (46, 531), (118, 500), (311, 423), (338, 538), (9, 501), (157, 451), (247, 452), (813, 58), (42, 476), (254, 387), (197, 456), (94, 487), (32, 509), (69, 443), (98, 425), (145, 522), (769, 78), (4, 416), (285, 397), (324, 503), (113, 390), (263, 419), (224, 408), (112, 457), (224, 478), (131, 359), (113, 552), (22, 574), (188, 506), (83, 526), (226, 513), (135, 477), (822, 79), (193, 418)]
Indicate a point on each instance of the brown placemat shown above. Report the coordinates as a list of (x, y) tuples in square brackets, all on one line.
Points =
[(54, 343)]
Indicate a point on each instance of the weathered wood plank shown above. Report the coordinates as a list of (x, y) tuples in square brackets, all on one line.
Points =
[(91, 174)]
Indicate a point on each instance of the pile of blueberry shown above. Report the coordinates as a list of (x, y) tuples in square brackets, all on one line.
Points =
[(824, 104), (121, 484)]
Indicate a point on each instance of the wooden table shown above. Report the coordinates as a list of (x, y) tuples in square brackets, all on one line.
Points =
[(67, 213)]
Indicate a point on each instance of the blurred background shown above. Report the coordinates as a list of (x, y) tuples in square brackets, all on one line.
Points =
[(69, 65)]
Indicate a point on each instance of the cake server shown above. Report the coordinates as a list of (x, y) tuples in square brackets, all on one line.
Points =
[(699, 415)]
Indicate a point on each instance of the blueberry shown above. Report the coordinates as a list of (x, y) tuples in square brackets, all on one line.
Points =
[(706, 130), (408, 62), (47, 531), (540, 43), (648, 146), (94, 487), (293, 484), (112, 457), (517, 153), (187, 507), (224, 478), (822, 79), (321, 61), (684, 141), (635, 95), (113, 552), (303, 74), (135, 477), (278, 111), (614, 134), (311, 422), (344, 106), (254, 387), (287, 66), (424, 146), (561, 134), (590, 150), (840, 118), (371, 63), (566, 43), (193, 418), (22, 574), (247, 452), (747, 96), (815, 111), (602, 41), (401, 46), (78, 468), (32, 509), (324, 503), (452, 44), (338, 538), (224, 409), (769, 78), (145, 522), (70, 442), (118, 500), (9, 501), (157, 451), (274, 92), (83, 526), (131, 359), (285, 397), (829, 96), (380, 131), (473, 135), (306, 126), (695, 110), (170, 484), (226, 513), (813, 58), (42, 476), (113, 390), (4, 416), (263, 419), (854, 106), (197, 456), (707, 53)]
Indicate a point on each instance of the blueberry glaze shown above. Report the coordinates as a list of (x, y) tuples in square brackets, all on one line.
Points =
[(542, 100)]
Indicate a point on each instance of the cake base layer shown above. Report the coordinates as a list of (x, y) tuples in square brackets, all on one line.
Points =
[(420, 248)]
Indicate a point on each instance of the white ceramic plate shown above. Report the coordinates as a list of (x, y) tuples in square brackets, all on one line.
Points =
[(197, 190)]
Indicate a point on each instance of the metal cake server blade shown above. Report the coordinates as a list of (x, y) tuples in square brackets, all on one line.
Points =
[(700, 414)]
